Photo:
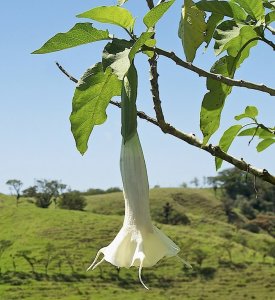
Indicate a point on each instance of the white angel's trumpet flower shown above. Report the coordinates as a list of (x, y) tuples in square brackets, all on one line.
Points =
[(139, 243)]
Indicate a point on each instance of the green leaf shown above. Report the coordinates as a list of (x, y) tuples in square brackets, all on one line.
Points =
[(226, 141), (269, 5), (251, 112), (192, 29), (232, 36), (150, 43), (112, 15), (263, 134), (91, 98), (253, 7), (253, 131), (121, 2), (116, 56), (81, 33), (265, 144), (144, 37), (224, 8), (128, 104), (214, 99), (153, 16), (211, 25), (270, 17)]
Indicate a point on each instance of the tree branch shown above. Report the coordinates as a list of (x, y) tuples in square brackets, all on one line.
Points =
[(193, 141), (229, 81), (155, 92), (150, 4)]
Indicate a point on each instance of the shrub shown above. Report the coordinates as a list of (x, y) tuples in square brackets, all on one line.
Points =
[(43, 200), (72, 200), (254, 228)]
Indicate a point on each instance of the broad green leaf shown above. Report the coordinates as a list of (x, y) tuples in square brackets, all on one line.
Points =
[(150, 43), (250, 131), (81, 33), (128, 104), (263, 134), (153, 16), (270, 17), (253, 7), (211, 25), (232, 36), (91, 98), (112, 15), (256, 131), (224, 8), (213, 101), (121, 2), (251, 112), (226, 141), (265, 144), (144, 37), (269, 4), (116, 56), (192, 29)]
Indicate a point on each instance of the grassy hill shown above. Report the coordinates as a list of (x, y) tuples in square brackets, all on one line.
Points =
[(227, 263)]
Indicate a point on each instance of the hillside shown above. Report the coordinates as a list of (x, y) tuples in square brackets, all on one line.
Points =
[(227, 263)]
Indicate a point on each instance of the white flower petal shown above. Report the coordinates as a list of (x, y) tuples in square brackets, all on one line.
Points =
[(139, 243)]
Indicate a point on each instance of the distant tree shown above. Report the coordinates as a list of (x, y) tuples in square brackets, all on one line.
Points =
[(195, 182), (248, 194), (113, 190), (48, 191), (92, 191), (167, 208), (72, 200), (16, 186), (31, 260), (48, 256), (30, 191), (184, 185)]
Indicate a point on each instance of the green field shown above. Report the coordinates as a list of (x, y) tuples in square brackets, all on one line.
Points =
[(234, 266)]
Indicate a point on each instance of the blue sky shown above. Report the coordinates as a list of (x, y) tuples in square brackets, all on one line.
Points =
[(36, 141)]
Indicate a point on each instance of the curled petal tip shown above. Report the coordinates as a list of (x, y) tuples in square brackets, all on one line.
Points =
[(95, 264), (140, 278)]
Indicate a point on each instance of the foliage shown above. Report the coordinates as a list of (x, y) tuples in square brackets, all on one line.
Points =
[(72, 200), (235, 27), (243, 192), (47, 191), (15, 185), (93, 191), (168, 215)]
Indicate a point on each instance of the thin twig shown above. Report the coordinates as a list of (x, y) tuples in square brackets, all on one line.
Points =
[(229, 81), (155, 92), (193, 141), (150, 4), (66, 73), (271, 29), (268, 42)]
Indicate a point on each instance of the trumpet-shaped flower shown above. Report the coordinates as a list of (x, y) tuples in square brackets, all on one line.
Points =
[(139, 243)]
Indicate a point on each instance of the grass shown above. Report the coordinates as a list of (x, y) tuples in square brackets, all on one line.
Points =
[(75, 237)]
